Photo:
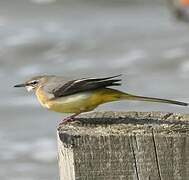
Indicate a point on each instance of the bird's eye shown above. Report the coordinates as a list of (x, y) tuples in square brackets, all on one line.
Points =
[(34, 82)]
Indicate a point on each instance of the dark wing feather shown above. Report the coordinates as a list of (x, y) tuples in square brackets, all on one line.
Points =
[(80, 85)]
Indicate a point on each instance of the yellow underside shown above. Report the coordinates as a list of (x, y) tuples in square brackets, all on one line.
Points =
[(80, 102), (89, 100)]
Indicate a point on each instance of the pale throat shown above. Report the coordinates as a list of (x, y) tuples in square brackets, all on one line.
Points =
[(29, 88)]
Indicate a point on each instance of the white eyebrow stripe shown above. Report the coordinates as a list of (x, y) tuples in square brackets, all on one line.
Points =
[(33, 81)]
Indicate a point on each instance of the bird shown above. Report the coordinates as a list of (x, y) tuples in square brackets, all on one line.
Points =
[(76, 96)]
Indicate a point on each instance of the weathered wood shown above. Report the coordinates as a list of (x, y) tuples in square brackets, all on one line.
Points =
[(125, 146)]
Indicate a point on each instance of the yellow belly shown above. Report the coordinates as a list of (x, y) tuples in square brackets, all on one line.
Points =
[(72, 103), (82, 102)]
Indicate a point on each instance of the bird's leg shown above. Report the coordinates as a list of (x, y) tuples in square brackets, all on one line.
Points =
[(69, 118)]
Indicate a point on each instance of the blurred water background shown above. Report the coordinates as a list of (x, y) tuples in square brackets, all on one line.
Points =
[(83, 38)]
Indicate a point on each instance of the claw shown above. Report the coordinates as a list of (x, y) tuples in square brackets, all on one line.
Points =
[(69, 119), (66, 120)]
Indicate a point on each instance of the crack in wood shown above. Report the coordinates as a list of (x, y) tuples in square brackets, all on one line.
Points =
[(156, 154), (134, 155), (167, 116)]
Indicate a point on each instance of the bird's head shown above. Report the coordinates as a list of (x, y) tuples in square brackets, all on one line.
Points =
[(34, 83)]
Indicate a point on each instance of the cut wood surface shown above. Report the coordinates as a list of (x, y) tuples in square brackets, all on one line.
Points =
[(125, 146)]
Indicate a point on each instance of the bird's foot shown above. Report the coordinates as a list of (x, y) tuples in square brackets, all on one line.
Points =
[(68, 119)]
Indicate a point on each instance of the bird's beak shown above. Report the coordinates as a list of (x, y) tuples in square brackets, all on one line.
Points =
[(20, 85)]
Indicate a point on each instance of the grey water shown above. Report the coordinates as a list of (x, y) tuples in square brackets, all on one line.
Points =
[(138, 39)]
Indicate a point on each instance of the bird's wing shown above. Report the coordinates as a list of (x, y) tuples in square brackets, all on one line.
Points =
[(85, 84)]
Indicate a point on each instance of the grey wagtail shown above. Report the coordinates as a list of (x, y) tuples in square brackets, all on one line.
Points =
[(80, 95)]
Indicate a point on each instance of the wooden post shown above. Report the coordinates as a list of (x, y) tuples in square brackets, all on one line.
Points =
[(125, 146)]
